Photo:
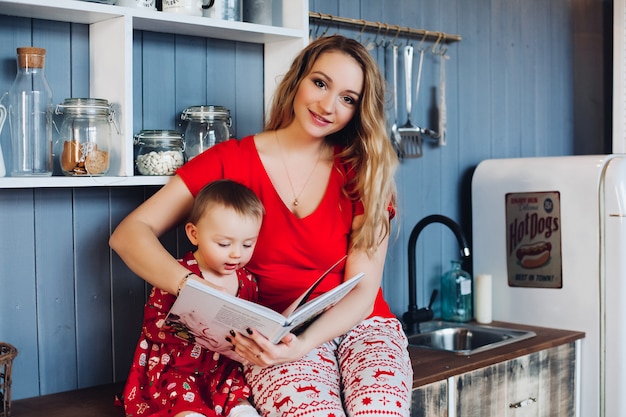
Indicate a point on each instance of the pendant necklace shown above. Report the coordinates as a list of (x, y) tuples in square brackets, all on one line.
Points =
[(296, 197)]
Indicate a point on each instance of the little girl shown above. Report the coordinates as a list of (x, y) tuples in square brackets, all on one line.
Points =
[(171, 376)]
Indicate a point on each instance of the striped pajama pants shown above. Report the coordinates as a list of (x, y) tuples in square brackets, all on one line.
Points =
[(366, 372)]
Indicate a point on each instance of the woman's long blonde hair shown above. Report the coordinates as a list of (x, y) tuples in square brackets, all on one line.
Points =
[(368, 151)]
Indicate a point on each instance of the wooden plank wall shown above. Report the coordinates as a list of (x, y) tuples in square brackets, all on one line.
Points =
[(68, 304), (510, 93), (71, 306)]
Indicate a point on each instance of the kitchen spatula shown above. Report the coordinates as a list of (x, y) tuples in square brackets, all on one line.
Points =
[(395, 135), (410, 135)]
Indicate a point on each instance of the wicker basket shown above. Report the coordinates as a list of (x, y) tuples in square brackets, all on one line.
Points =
[(7, 354)]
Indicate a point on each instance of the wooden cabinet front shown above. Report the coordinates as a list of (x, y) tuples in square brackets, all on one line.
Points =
[(540, 384), (430, 400)]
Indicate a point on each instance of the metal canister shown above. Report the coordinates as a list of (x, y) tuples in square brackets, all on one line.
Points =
[(206, 126), (257, 11)]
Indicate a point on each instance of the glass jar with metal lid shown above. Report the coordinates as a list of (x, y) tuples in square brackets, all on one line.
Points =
[(85, 136), (206, 126), (159, 152)]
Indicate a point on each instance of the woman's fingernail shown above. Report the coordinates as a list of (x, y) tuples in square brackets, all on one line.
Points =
[(232, 333), (249, 330), (228, 339)]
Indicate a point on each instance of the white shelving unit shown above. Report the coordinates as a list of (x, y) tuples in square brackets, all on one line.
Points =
[(111, 64)]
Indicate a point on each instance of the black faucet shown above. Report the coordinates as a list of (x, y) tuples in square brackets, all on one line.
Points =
[(415, 316)]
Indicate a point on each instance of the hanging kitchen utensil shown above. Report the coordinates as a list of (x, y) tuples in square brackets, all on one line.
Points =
[(419, 74), (410, 135), (421, 49), (443, 111), (395, 135)]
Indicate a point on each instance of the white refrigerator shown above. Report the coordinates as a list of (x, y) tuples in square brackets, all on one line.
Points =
[(552, 233)]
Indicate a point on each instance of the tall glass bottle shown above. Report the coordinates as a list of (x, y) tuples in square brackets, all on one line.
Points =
[(456, 294), (30, 116)]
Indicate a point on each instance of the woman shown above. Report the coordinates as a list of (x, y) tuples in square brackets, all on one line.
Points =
[(324, 170)]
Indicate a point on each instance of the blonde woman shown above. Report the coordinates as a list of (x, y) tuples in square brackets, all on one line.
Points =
[(324, 170)]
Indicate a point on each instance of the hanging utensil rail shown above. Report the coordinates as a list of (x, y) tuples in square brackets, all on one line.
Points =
[(395, 30)]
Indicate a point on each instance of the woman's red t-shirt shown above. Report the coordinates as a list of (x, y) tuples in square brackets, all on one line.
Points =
[(291, 252)]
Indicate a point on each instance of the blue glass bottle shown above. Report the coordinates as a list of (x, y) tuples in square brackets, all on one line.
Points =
[(456, 294)]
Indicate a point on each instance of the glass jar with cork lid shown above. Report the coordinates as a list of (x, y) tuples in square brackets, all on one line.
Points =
[(28, 108)]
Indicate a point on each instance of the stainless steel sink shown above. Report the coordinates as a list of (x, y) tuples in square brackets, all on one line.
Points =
[(465, 338)]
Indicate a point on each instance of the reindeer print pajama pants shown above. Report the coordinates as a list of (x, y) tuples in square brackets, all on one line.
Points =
[(366, 372)]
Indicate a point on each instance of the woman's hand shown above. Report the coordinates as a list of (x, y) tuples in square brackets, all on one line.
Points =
[(136, 238), (258, 350)]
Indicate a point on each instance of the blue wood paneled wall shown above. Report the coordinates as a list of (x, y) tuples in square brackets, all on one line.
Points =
[(69, 304), (510, 93), (74, 310)]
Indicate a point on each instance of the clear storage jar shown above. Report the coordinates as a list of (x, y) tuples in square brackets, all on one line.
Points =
[(85, 136), (206, 126), (159, 152)]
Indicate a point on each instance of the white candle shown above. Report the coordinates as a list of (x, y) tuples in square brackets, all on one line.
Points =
[(483, 296)]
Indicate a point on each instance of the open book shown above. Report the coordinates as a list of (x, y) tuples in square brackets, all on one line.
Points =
[(205, 315)]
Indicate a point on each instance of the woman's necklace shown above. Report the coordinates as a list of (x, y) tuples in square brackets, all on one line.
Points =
[(296, 197)]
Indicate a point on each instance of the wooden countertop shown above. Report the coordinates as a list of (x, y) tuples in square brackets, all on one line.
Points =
[(432, 365), (428, 366)]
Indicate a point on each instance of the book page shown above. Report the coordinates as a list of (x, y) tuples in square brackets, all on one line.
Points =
[(189, 326), (206, 314), (322, 303), (305, 296)]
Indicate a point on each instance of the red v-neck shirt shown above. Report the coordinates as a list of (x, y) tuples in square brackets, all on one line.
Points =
[(291, 253)]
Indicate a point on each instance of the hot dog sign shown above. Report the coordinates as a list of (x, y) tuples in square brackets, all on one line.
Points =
[(533, 238)]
